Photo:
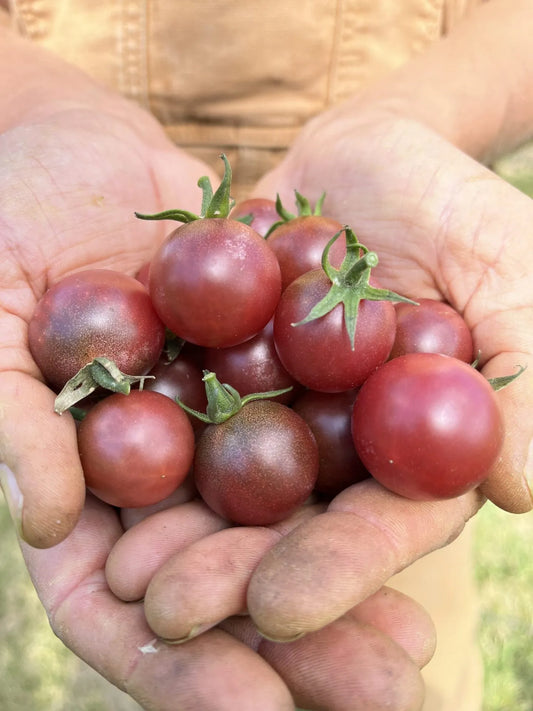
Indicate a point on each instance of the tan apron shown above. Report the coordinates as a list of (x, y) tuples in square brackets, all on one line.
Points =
[(240, 77)]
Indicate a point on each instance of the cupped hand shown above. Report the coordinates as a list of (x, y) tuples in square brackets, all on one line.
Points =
[(444, 227), (71, 179)]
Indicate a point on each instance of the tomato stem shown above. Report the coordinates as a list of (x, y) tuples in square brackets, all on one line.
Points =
[(350, 283), (223, 401), (217, 204)]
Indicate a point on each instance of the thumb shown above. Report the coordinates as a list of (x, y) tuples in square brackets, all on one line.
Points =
[(40, 470)]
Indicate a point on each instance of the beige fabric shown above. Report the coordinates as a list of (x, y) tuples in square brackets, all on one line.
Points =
[(236, 76), (443, 583)]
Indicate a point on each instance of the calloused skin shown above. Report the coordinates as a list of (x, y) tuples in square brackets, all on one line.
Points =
[(74, 170)]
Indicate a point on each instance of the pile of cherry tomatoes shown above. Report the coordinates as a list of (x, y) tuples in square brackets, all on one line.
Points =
[(257, 354)]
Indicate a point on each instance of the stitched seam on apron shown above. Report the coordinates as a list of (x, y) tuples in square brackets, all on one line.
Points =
[(30, 20), (132, 49)]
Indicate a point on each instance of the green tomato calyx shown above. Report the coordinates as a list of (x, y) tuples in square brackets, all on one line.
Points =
[(100, 372), (303, 207), (223, 401), (350, 283), (214, 204)]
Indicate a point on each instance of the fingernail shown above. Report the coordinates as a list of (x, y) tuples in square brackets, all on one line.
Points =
[(270, 638), (12, 495), (196, 630)]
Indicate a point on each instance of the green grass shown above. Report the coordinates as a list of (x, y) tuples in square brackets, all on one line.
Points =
[(40, 674), (504, 572)]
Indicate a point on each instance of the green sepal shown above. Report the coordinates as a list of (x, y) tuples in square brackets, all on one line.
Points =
[(504, 380), (100, 372), (304, 210), (221, 203), (350, 283), (223, 401), (217, 204), (177, 215)]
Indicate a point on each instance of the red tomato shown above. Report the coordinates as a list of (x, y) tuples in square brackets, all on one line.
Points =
[(319, 354), (262, 210), (214, 282), (180, 379), (299, 243), (427, 426), (94, 313), (431, 327), (252, 367), (135, 449), (329, 415), (258, 466)]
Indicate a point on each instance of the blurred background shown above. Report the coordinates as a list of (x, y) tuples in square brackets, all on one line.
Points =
[(38, 673)]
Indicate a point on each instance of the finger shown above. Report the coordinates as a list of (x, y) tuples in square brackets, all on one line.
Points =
[(40, 468), (347, 664), (402, 619), (145, 547), (510, 481), (185, 492), (206, 582), (212, 673), (331, 563)]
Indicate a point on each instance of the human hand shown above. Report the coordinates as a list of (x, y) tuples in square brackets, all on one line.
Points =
[(73, 173), (72, 177), (444, 227)]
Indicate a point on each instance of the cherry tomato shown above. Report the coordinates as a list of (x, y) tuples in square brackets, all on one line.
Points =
[(431, 327), (135, 449), (252, 367), (427, 426), (258, 466), (329, 415), (214, 282), (299, 243), (319, 354), (93, 313), (180, 379), (262, 210)]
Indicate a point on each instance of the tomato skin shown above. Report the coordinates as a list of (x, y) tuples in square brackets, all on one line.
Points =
[(214, 282), (299, 243), (91, 313), (253, 366), (427, 426), (329, 415), (318, 354), (181, 379), (258, 466), (263, 211), (135, 449), (431, 327)]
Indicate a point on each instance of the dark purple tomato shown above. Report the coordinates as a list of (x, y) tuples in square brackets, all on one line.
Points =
[(135, 449), (431, 327), (299, 243), (214, 282), (319, 354), (95, 313), (258, 466), (263, 212), (181, 379), (329, 415), (427, 426), (252, 367)]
